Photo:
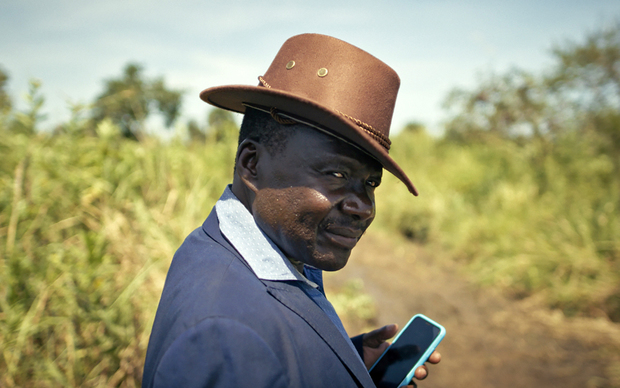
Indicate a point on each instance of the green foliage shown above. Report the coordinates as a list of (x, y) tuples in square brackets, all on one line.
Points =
[(512, 106), (5, 99), (487, 205), (353, 303), (580, 94), (87, 228), (26, 122), (129, 100), (354, 306), (587, 79), (524, 189), (525, 186), (220, 127), (588, 73)]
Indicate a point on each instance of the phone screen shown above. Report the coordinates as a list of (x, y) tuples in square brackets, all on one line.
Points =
[(404, 353)]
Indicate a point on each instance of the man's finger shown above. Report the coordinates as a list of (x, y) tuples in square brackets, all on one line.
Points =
[(379, 336), (421, 373), (435, 357)]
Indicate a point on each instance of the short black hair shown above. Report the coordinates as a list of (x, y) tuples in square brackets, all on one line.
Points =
[(262, 128)]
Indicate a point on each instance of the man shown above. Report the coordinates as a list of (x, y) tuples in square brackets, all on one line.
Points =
[(243, 302)]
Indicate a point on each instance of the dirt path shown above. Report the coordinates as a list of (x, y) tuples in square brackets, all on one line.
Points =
[(491, 341)]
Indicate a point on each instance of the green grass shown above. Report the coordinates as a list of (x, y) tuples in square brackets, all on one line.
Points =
[(87, 229), (88, 226), (520, 217)]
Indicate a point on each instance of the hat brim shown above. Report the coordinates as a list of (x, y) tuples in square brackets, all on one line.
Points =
[(236, 97)]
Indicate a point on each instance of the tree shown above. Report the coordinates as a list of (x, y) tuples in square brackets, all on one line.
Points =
[(129, 100), (587, 76), (579, 95), (26, 121), (511, 106), (5, 99), (196, 134), (566, 124), (222, 126), (589, 72), (21, 121)]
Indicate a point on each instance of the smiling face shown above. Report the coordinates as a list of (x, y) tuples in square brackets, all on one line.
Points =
[(315, 199)]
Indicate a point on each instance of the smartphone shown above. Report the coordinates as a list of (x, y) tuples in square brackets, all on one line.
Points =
[(410, 349)]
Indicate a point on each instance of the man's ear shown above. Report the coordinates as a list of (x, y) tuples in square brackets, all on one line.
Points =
[(246, 167)]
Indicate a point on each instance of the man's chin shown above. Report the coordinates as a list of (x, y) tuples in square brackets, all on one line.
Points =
[(331, 262)]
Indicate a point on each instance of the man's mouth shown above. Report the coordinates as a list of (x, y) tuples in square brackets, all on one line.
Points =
[(343, 236)]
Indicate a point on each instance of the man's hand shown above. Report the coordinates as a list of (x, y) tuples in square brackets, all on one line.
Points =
[(375, 343)]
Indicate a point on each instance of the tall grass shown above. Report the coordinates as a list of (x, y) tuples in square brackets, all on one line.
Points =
[(87, 229), (529, 219), (88, 226)]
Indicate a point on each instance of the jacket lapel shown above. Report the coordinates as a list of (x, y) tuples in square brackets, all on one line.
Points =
[(295, 299)]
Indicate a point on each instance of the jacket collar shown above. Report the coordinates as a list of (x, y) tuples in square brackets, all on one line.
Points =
[(239, 227), (291, 295)]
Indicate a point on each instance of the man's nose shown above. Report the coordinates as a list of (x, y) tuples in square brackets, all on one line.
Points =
[(360, 205)]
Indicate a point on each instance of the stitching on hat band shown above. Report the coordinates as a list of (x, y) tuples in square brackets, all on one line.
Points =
[(279, 118), (378, 136), (262, 81), (274, 111), (301, 121)]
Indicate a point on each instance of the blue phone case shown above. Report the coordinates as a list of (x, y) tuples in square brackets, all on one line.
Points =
[(427, 352)]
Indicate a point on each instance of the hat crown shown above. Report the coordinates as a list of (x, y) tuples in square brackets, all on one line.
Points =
[(338, 76), (327, 84)]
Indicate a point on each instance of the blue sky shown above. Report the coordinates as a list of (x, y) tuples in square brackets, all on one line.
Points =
[(72, 46)]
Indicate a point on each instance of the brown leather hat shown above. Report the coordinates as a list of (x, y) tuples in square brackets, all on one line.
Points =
[(328, 84)]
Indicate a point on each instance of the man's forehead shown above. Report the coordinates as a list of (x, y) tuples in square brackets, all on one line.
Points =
[(322, 144), (301, 122)]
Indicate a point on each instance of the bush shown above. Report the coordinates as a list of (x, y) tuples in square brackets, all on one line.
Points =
[(529, 218), (88, 228)]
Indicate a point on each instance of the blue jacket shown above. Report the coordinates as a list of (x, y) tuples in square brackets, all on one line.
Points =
[(218, 325)]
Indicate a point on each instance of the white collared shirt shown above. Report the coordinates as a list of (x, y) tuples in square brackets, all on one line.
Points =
[(264, 257)]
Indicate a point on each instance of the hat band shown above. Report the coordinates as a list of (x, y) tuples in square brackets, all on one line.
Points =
[(297, 120), (378, 136), (383, 140), (275, 114)]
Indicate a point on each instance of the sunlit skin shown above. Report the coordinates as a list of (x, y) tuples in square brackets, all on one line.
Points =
[(314, 200)]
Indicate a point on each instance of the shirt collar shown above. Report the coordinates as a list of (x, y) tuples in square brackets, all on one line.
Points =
[(262, 255)]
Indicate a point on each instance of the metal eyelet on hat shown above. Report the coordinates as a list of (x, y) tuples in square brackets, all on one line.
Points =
[(290, 65), (322, 72)]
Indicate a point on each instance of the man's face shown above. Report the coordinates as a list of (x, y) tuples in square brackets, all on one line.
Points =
[(316, 198)]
